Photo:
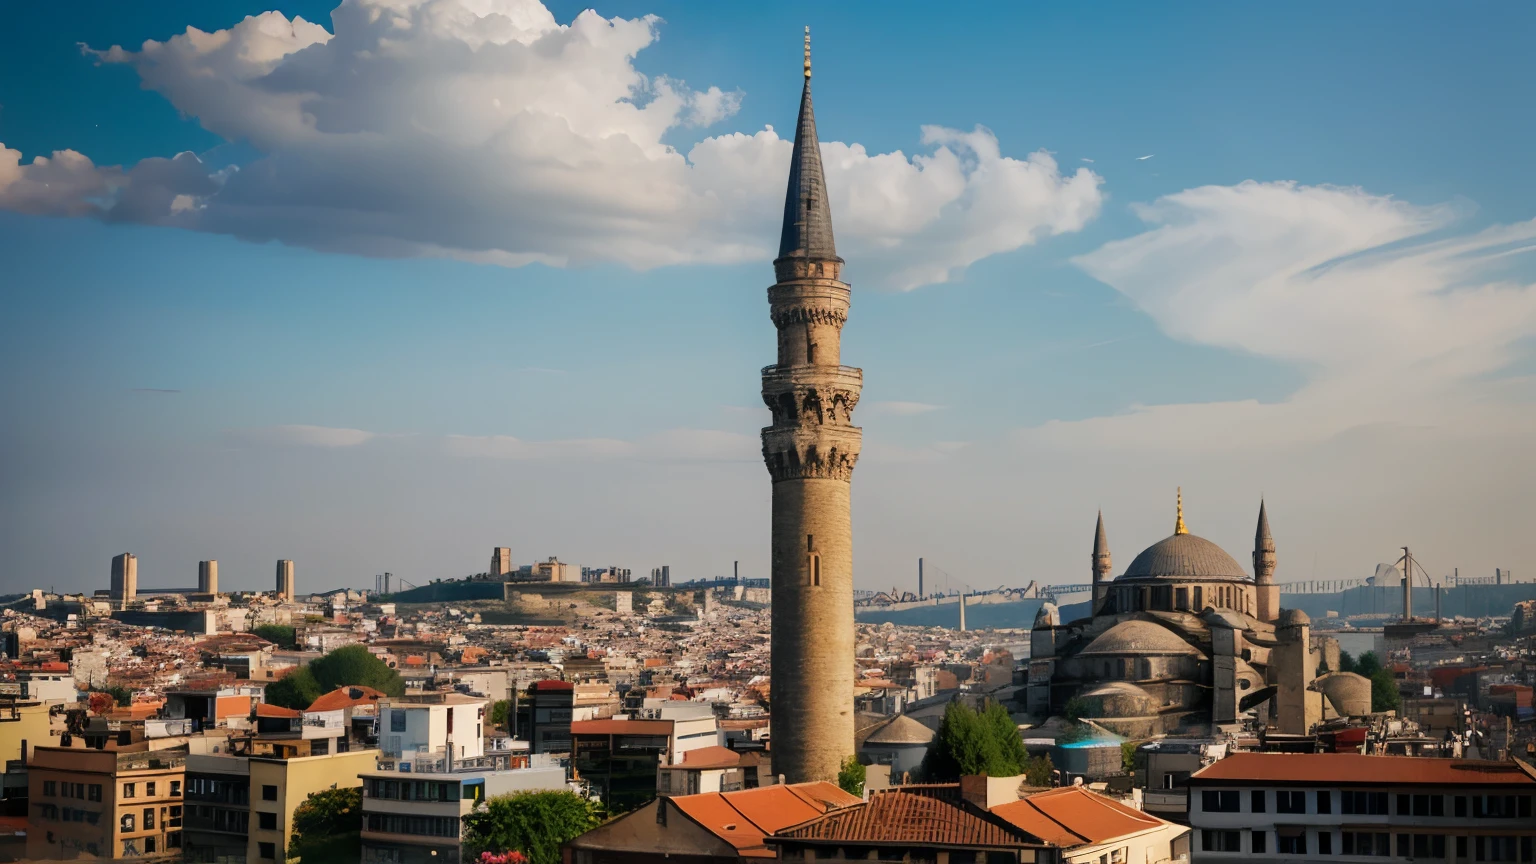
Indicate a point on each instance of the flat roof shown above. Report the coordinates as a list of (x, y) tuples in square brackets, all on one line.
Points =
[(1355, 769), (621, 727)]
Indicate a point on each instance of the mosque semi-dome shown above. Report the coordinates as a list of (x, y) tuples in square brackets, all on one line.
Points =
[(1184, 556), (1138, 638)]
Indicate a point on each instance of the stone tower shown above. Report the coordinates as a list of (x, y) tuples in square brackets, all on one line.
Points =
[(1267, 593), (1101, 567), (810, 450)]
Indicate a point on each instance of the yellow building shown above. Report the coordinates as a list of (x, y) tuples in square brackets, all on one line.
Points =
[(23, 726), (279, 786), (104, 803)]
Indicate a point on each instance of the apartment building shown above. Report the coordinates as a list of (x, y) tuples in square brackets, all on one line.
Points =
[(449, 724), (415, 818), (279, 786), (218, 809), (105, 803), (621, 758), (1327, 807)]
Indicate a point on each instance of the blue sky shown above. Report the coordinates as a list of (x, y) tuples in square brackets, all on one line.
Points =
[(1088, 362)]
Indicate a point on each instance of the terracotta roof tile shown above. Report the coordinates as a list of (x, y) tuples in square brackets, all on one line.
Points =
[(265, 709), (1355, 769), (1072, 815), (900, 816), (744, 819), (346, 697)]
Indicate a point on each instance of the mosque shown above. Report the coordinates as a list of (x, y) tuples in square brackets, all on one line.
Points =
[(1185, 642)]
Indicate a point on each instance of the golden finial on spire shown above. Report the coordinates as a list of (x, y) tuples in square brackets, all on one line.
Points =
[(1178, 527), (807, 50)]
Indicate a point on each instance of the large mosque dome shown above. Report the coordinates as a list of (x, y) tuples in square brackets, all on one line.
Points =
[(1184, 556)]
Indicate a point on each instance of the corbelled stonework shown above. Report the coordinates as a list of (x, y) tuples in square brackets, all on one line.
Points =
[(810, 451)]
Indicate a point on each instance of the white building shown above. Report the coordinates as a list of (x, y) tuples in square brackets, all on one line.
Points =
[(432, 726), (1332, 807), (409, 817)]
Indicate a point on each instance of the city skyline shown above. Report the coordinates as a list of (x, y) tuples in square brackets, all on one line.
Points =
[(1059, 316)]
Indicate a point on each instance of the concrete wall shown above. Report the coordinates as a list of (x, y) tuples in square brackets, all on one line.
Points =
[(296, 780)]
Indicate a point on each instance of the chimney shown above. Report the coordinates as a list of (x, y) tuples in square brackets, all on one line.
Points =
[(919, 578)]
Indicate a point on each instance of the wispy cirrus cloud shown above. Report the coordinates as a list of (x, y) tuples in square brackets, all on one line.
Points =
[(301, 436), (903, 409), (1396, 319)]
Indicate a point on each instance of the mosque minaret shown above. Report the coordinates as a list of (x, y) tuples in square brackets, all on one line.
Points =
[(810, 451)]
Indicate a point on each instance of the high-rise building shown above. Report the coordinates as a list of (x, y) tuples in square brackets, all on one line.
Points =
[(810, 451), (285, 590), (125, 578), (501, 561), (208, 577)]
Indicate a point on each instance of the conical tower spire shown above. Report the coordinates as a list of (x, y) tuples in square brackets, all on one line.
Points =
[(807, 229), (1267, 593), (1101, 566), (1178, 527)]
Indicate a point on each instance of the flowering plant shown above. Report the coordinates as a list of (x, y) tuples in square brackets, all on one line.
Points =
[(513, 857)]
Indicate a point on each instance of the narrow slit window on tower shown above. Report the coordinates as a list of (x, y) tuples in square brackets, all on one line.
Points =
[(814, 566), (810, 542)]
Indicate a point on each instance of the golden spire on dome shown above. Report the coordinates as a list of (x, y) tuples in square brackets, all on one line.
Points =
[(807, 50), (1178, 527)]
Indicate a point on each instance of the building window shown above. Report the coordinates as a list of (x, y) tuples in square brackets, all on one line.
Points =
[(266, 821), (266, 851), (1367, 843), (1461, 806), (397, 720), (1364, 803), (94, 792), (127, 790), (125, 825), (50, 788), (1291, 841), (1220, 802), (1290, 802), (149, 789), (1257, 801), (1258, 842), (149, 818), (1493, 806), (1324, 802), (813, 569), (269, 793), (1221, 841), (175, 788), (1325, 843)]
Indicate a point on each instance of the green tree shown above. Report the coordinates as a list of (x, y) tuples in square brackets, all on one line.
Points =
[(851, 777), (278, 634), (344, 667), (966, 743), (533, 823), (1384, 694), (328, 827), (1367, 664), (1346, 661), (501, 714), (1037, 770), (1010, 743)]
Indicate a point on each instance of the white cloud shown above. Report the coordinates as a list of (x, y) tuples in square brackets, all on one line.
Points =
[(302, 436), (485, 130), (903, 409), (1395, 322)]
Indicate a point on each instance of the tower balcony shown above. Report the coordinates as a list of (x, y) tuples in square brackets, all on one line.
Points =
[(780, 379), (818, 452)]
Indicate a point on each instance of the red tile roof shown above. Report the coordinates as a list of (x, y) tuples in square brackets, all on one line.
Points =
[(551, 684), (346, 697), (745, 818), (621, 727), (1072, 816), (265, 709), (903, 817), (710, 757), (1355, 769)]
